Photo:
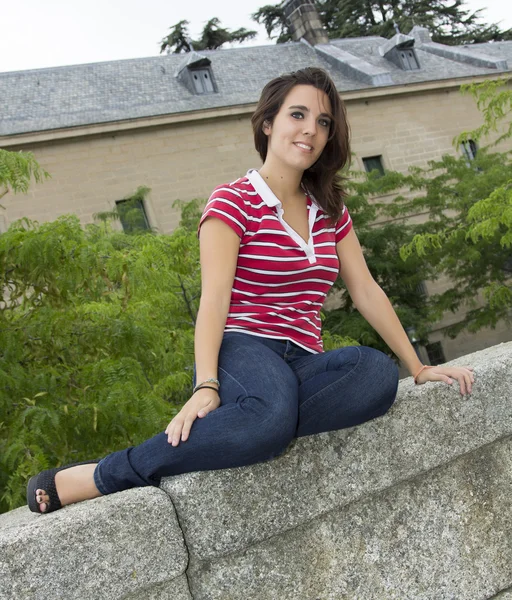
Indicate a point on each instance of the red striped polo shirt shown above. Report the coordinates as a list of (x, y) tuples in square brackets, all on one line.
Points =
[(280, 281)]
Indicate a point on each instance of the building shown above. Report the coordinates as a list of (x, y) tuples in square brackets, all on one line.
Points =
[(180, 124)]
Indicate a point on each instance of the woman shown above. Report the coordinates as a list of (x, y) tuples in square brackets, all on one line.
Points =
[(271, 245)]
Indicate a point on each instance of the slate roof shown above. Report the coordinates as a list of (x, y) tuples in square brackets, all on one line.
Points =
[(61, 97)]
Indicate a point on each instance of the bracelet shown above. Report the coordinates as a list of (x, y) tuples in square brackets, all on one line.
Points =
[(211, 380), (421, 371), (204, 387)]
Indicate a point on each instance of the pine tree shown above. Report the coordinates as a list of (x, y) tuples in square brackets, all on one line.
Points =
[(449, 22), (213, 36)]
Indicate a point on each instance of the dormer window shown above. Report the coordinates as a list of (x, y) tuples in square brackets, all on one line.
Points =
[(408, 59), (400, 51), (196, 74), (202, 81)]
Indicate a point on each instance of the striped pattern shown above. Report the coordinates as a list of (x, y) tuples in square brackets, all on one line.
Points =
[(278, 291)]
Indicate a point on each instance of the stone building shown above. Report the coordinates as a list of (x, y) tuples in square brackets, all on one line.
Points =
[(180, 124)]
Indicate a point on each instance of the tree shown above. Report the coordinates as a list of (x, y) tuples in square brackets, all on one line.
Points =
[(469, 234), (17, 170), (402, 281), (213, 36), (448, 23), (96, 340)]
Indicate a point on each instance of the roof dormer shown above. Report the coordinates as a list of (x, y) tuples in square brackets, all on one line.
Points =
[(196, 74), (400, 51)]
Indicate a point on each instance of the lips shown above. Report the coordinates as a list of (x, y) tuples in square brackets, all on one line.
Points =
[(303, 147)]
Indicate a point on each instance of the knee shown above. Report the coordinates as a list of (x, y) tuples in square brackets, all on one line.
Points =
[(383, 375), (272, 432)]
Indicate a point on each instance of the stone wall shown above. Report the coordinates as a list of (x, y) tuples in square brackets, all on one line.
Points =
[(414, 505)]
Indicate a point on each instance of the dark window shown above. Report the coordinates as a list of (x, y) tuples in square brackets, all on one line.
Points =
[(435, 353), (132, 215), (373, 163), (408, 60), (421, 289), (202, 81), (469, 149)]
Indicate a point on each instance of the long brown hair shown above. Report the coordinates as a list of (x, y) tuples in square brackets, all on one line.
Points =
[(322, 179)]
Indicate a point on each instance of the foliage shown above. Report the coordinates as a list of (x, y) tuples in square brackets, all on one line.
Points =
[(213, 36), (470, 229), (16, 171), (96, 341), (271, 16), (449, 23), (381, 240)]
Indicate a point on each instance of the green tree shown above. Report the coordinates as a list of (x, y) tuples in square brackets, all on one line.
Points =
[(17, 169), (213, 36), (469, 234), (96, 341), (449, 23), (381, 239)]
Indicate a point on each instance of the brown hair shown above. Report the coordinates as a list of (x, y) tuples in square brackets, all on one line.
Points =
[(322, 179)]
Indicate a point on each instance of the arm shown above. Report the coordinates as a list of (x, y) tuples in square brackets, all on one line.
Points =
[(218, 247), (374, 305)]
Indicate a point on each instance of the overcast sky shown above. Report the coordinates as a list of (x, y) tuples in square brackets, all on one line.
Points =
[(37, 34)]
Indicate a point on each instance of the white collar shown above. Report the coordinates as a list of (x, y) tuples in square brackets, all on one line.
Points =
[(262, 189), (266, 194)]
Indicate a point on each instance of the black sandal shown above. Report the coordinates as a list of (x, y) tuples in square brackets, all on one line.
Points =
[(46, 481)]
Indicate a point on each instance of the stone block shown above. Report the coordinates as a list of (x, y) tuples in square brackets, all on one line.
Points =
[(444, 535), (102, 549), (226, 511)]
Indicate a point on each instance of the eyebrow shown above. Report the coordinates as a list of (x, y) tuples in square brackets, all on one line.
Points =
[(307, 110)]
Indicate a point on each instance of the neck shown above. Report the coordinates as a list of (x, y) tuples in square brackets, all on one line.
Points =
[(285, 183)]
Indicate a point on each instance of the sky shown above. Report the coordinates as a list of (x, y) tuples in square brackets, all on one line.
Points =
[(53, 33)]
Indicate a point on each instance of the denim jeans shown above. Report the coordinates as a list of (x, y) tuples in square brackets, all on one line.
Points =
[(271, 391)]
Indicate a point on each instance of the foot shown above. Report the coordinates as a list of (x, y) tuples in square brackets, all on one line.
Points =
[(73, 485)]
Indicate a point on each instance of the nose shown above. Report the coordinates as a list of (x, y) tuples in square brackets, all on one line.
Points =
[(309, 126)]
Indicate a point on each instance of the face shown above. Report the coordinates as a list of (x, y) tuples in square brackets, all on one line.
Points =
[(300, 129)]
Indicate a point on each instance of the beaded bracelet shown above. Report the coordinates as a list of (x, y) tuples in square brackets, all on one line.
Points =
[(421, 371)]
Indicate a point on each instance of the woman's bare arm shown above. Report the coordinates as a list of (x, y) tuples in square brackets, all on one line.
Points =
[(219, 246)]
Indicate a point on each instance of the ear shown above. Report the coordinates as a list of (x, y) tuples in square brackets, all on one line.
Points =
[(267, 127)]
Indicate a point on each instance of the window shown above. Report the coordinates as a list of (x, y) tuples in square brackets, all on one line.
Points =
[(373, 163), (469, 149), (435, 353), (202, 81), (408, 60), (132, 215), (421, 289)]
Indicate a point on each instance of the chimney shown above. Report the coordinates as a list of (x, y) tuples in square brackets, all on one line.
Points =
[(304, 21)]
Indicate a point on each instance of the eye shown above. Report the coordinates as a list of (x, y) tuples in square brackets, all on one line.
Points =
[(297, 115), (325, 123)]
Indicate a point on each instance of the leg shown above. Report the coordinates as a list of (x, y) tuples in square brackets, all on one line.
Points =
[(343, 388), (256, 421)]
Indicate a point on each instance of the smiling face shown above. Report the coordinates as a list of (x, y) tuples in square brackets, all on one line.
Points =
[(300, 130)]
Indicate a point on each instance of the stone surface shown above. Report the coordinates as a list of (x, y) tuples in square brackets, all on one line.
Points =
[(444, 535), (506, 595), (100, 549), (177, 589), (226, 511)]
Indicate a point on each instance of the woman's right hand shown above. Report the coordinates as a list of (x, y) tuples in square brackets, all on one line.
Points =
[(199, 405)]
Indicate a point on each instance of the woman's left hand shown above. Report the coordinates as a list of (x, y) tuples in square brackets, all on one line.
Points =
[(464, 375)]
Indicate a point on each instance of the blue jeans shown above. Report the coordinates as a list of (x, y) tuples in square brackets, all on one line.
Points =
[(271, 391)]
